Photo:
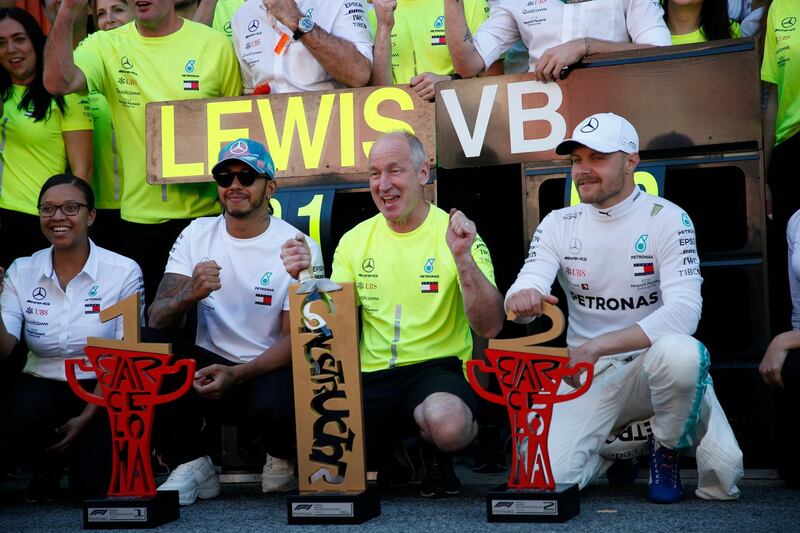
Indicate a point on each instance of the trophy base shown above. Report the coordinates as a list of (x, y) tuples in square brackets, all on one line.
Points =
[(134, 512), (333, 507), (532, 505)]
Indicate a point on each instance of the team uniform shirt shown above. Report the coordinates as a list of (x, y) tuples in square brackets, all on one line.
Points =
[(257, 35), (793, 239), (31, 152), (781, 65), (418, 40), (699, 36), (543, 24), (635, 263), (105, 179), (408, 287), (243, 318), (55, 322), (131, 71), (223, 14)]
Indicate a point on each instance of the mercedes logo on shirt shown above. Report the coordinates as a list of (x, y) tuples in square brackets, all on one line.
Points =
[(590, 126), (575, 246), (39, 293), (368, 265), (126, 63), (253, 26), (238, 148)]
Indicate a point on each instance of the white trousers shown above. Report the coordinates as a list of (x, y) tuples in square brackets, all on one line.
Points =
[(668, 383)]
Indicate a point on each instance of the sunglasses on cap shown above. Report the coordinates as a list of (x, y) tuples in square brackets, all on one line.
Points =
[(246, 178)]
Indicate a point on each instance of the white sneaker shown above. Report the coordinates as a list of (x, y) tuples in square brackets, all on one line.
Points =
[(278, 475), (193, 479)]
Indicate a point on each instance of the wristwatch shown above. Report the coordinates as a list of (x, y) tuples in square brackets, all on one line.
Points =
[(304, 25)]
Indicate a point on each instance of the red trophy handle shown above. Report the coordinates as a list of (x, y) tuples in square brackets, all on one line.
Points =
[(589, 368), (190, 366), (69, 370), (478, 364)]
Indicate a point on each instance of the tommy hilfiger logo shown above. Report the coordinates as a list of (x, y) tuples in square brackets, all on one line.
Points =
[(91, 309), (263, 299), (643, 269), (429, 287), (191, 85)]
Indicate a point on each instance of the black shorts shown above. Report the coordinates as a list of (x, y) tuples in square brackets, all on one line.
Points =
[(390, 397)]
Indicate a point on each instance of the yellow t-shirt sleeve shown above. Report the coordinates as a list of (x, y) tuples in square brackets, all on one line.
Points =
[(478, 13), (769, 71), (78, 113), (482, 258), (231, 75), (341, 270), (373, 23), (89, 58)]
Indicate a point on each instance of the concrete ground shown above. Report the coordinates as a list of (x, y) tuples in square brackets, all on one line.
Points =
[(765, 505)]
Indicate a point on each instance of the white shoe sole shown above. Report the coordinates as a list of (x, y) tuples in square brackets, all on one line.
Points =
[(291, 484), (206, 490)]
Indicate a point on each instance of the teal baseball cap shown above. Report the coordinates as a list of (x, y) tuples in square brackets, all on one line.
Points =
[(250, 152)]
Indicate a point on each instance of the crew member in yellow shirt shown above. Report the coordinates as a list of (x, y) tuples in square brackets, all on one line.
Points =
[(404, 53), (40, 134), (422, 277), (159, 57)]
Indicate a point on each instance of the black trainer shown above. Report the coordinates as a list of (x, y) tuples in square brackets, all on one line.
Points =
[(440, 478)]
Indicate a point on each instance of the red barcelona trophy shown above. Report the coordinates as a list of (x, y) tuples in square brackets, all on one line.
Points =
[(530, 377), (130, 374)]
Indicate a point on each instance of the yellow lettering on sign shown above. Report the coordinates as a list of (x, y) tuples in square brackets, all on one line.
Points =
[(277, 209), (216, 135), (169, 168), (347, 134), (382, 124), (311, 147), (313, 210), (640, 177)]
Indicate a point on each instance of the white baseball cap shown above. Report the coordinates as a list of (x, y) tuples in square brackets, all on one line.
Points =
[(603, 132)]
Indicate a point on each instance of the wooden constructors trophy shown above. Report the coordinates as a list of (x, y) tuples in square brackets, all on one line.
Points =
[(129, 373), (529, 378), (327, 396)]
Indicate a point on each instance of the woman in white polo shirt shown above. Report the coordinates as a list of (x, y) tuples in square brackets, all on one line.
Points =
[(54, 298)]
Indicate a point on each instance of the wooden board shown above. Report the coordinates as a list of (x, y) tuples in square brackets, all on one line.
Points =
[(326, 134), (327, 394)]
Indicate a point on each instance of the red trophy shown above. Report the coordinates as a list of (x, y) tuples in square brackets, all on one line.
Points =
[(529, 378), (130, 374)]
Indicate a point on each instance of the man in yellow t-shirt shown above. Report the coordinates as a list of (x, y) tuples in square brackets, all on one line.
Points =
[(422, 277), (410, 45), (780, 70), (158, 57)]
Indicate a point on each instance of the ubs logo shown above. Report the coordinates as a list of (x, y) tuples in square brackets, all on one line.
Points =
[(590, 126), (253, 26), (368, 265), (39, 293), (126, 63), (788, 22)]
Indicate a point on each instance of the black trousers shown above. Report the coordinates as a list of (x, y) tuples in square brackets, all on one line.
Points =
[(149, 246), (31, 411), (788, 400), (785, 185), (263, 406)]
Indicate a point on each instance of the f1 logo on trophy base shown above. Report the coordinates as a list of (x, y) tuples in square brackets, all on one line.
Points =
[(529, 378), (326, 371), (129, 373)]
